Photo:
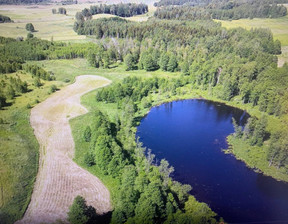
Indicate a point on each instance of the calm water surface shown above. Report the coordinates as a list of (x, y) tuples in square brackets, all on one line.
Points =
[(190, 135)]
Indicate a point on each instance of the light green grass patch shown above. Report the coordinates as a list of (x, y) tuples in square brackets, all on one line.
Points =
[(255, 158)]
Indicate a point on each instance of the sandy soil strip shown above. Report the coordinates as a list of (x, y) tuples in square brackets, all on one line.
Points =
[(59, 179)]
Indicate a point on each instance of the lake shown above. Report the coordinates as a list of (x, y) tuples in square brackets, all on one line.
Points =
[(190, 135)]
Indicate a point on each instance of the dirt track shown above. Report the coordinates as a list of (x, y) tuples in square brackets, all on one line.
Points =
[(59, 179)]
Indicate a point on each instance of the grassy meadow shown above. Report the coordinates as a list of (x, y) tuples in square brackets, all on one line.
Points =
[(48, 26)]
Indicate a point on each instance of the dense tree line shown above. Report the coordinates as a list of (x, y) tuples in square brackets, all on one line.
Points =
[(38, 72), (18, 2), (146, 193), (213, 3), (70, 51), (220, 10), (123, 10), (13, 53), (11, 87), (30, 49), (9, 64), (5, 19)]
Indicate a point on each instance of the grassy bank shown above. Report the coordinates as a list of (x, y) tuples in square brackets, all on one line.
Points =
[(255, 158)]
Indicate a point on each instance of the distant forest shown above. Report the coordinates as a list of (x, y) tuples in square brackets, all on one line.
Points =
[(122, 10), (215, 3), (219, 9), (17, 2)]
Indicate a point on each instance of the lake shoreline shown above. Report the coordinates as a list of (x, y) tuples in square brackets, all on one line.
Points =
[(156, 129), (266, 172)]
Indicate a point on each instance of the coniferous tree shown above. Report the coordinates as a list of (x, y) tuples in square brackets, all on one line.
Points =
[(78, 211), (29, 27)]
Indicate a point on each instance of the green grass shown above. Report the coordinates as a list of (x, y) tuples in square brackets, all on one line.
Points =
[(19, 150), (48, 25)]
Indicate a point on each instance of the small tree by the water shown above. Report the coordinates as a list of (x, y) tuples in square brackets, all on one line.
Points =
[(87, 134)]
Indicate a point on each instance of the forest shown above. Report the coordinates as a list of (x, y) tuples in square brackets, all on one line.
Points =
[(224, 10), (18, 2), (123, 10)]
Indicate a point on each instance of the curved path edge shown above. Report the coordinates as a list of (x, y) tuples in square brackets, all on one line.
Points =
[(60, 179)]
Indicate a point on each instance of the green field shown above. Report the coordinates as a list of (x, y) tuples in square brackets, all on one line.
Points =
[(50, 26), (19, 148)]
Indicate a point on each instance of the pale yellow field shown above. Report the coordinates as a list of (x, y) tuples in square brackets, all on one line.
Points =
[(52, 26), (48, 25)]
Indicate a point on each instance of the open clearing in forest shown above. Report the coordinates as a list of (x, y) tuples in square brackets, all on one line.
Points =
[(59, 179)]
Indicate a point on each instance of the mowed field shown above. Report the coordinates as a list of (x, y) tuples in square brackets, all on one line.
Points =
[(50, 26), (59, 179), (278, 26)]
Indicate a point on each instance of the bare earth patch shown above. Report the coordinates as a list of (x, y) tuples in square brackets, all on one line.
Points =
[(59, 179)]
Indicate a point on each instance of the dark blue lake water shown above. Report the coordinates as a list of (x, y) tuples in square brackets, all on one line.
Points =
[(190, 135)]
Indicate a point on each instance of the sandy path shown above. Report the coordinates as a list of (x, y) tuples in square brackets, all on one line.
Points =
[(59, 179)]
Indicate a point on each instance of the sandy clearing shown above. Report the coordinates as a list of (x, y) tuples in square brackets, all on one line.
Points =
[(59, 179)]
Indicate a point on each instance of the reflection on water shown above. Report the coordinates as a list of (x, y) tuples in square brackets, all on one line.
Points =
[(190, 135)]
